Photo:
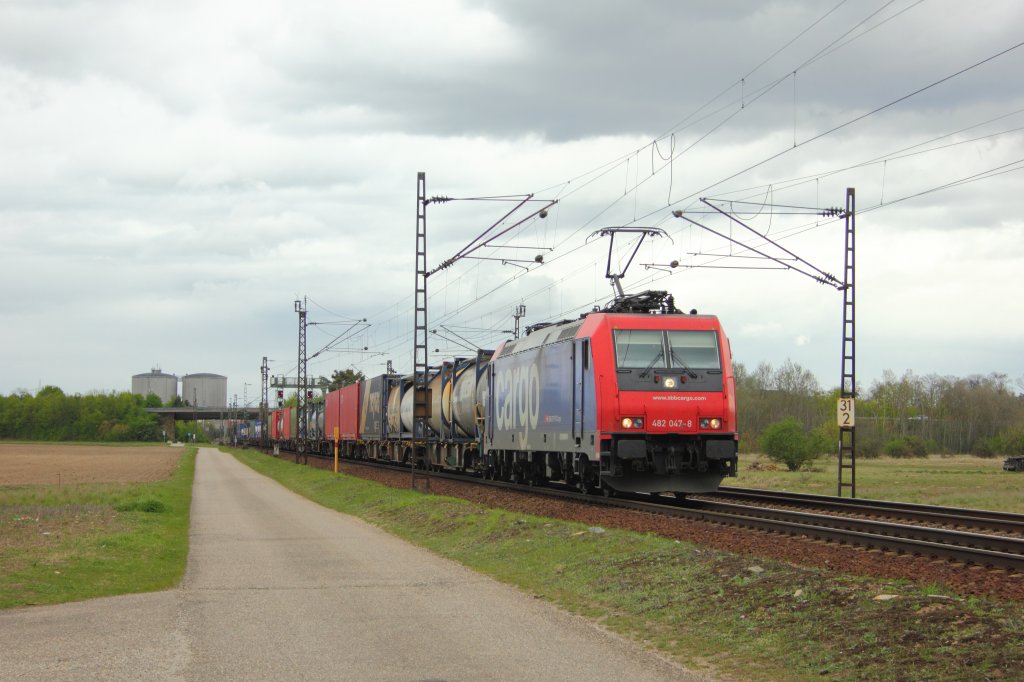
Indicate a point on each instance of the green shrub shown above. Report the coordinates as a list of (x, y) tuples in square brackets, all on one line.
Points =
[(989, 447), (149, 505), (906, 446), (787, 442), (1006, 443)]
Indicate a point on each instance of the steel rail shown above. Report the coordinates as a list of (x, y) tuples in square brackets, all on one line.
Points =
[(1007, 552), (1004, 522)]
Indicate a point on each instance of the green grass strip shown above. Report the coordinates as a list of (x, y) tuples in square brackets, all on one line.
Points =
[(94, 540), (726, 613)]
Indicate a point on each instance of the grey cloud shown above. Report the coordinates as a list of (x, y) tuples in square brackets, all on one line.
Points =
[(613, 68)]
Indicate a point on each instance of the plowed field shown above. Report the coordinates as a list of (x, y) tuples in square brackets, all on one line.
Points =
[(63, 464)]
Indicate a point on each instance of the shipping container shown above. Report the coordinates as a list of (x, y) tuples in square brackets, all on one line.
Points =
[(342, 413)]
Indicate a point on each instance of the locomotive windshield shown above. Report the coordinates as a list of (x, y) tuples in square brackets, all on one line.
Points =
[(646, 349), (694, 349), (639, 348)]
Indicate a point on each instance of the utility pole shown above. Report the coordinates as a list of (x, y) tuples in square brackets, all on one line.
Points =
[(300, 404)]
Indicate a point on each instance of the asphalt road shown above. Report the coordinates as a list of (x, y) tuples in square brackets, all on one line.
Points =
[(278, 587)]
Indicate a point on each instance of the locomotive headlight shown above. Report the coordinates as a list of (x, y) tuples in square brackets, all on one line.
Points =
[(670, 382), (627, 423), (632, 422), (710, 423)]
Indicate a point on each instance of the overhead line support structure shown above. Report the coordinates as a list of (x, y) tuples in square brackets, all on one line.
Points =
[(301, 404), (848, 385), (847, 470), (421, 400), (264, 404), (419, 456)]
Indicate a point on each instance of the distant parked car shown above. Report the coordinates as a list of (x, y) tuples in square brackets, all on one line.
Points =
[(1014, 464)]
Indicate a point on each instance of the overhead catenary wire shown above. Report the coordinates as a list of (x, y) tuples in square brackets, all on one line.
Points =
[(902, 153), (1003, 169), (828, 49), (400, 339), (855, 119), (562, 252)]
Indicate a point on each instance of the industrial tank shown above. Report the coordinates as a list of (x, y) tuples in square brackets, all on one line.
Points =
[(164, 386), (456, 397), (469, 395), (397, 421), (205, 390)]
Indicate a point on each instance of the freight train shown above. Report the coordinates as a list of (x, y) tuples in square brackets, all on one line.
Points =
[(638, 397)]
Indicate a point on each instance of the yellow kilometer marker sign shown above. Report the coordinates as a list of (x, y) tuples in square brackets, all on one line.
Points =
[(337, 433), (845, 413)]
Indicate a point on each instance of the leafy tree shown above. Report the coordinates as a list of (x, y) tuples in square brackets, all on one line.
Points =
[(787, 442), (153, 400), (344, 377), (767, 395), (189, 431), (53, 415)]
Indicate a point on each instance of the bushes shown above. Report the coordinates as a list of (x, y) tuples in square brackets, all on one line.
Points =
[(906, 446), (1013, 441), (1007, 443), (989, 447), (150, 505), (787, 442)]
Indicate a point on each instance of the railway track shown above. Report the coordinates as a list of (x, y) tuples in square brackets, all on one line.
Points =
[(902, 535), (989, 539), (955, 518)]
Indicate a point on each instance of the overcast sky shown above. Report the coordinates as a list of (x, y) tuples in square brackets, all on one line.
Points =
[(175, 175)]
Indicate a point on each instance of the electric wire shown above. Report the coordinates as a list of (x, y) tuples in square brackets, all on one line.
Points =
[(609, 167)]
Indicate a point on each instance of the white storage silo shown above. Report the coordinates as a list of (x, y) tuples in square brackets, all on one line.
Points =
[(204, 390), (164, 386)]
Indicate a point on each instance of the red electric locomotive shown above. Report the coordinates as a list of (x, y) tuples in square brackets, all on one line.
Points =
[(637, 398)]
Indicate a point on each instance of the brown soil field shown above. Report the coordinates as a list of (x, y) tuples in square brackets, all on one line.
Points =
[(64, 464)]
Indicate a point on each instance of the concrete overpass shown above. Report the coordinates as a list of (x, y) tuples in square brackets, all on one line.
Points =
[(169, 415), (190, 413)]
